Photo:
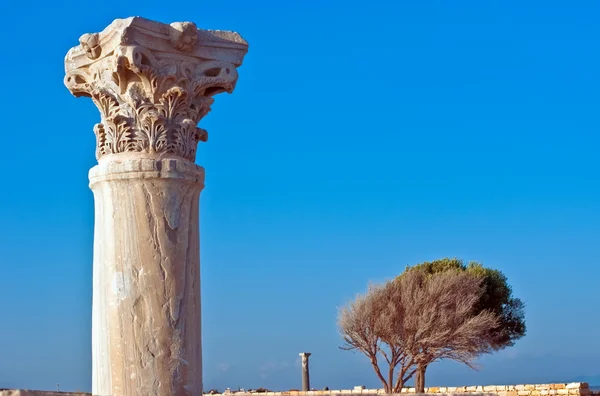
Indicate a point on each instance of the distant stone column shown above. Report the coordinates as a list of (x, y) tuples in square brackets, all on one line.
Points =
[(305, 373), (152, 83)]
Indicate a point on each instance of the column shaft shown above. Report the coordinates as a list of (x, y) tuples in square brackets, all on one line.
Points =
[(305, 371), (146, 337)]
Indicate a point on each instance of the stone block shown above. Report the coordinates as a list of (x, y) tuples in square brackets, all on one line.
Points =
[(529, 387), (443, 389), (563, 391), (451, 389), (471, 389), (432, 390), (520, 387), (490, 388), (558, 386), (573, 385), (523, 393)]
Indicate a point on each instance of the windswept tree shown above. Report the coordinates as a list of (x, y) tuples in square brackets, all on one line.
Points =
[(496, 298), (415, 320)]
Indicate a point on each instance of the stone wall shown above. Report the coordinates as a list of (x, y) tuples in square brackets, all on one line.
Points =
[(572, 389)]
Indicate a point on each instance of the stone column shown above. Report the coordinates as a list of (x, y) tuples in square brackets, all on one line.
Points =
[(152, 83), (305, 374)]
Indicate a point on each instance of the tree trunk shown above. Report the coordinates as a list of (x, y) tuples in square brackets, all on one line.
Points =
[(420, 378), (387, 387), (399, 384), (390, 379)]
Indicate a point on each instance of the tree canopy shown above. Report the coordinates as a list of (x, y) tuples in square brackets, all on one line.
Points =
[(497, 298)]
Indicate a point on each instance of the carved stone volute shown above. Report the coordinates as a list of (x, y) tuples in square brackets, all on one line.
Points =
[(153, 83)]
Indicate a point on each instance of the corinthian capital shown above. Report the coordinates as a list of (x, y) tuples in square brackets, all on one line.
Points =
[(153, 83)]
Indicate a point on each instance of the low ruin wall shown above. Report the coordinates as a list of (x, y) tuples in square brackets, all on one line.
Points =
[(572, 389), (369, 393)]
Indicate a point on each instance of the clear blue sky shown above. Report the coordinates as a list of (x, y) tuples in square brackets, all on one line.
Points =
[(362, 137)]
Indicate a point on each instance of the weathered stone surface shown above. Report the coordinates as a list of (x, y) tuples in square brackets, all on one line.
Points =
[(152, 84), (581, 389), (146, 291)]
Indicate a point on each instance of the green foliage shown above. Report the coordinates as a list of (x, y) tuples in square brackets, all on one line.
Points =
[(497, 298)]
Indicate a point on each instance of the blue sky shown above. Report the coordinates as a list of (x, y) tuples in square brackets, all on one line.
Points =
[(362, 137)]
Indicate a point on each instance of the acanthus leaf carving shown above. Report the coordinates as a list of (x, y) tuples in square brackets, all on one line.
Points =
[(150, 103)]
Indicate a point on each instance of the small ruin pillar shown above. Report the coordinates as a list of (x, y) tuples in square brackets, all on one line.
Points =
[(305, 373), (152, 84)]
